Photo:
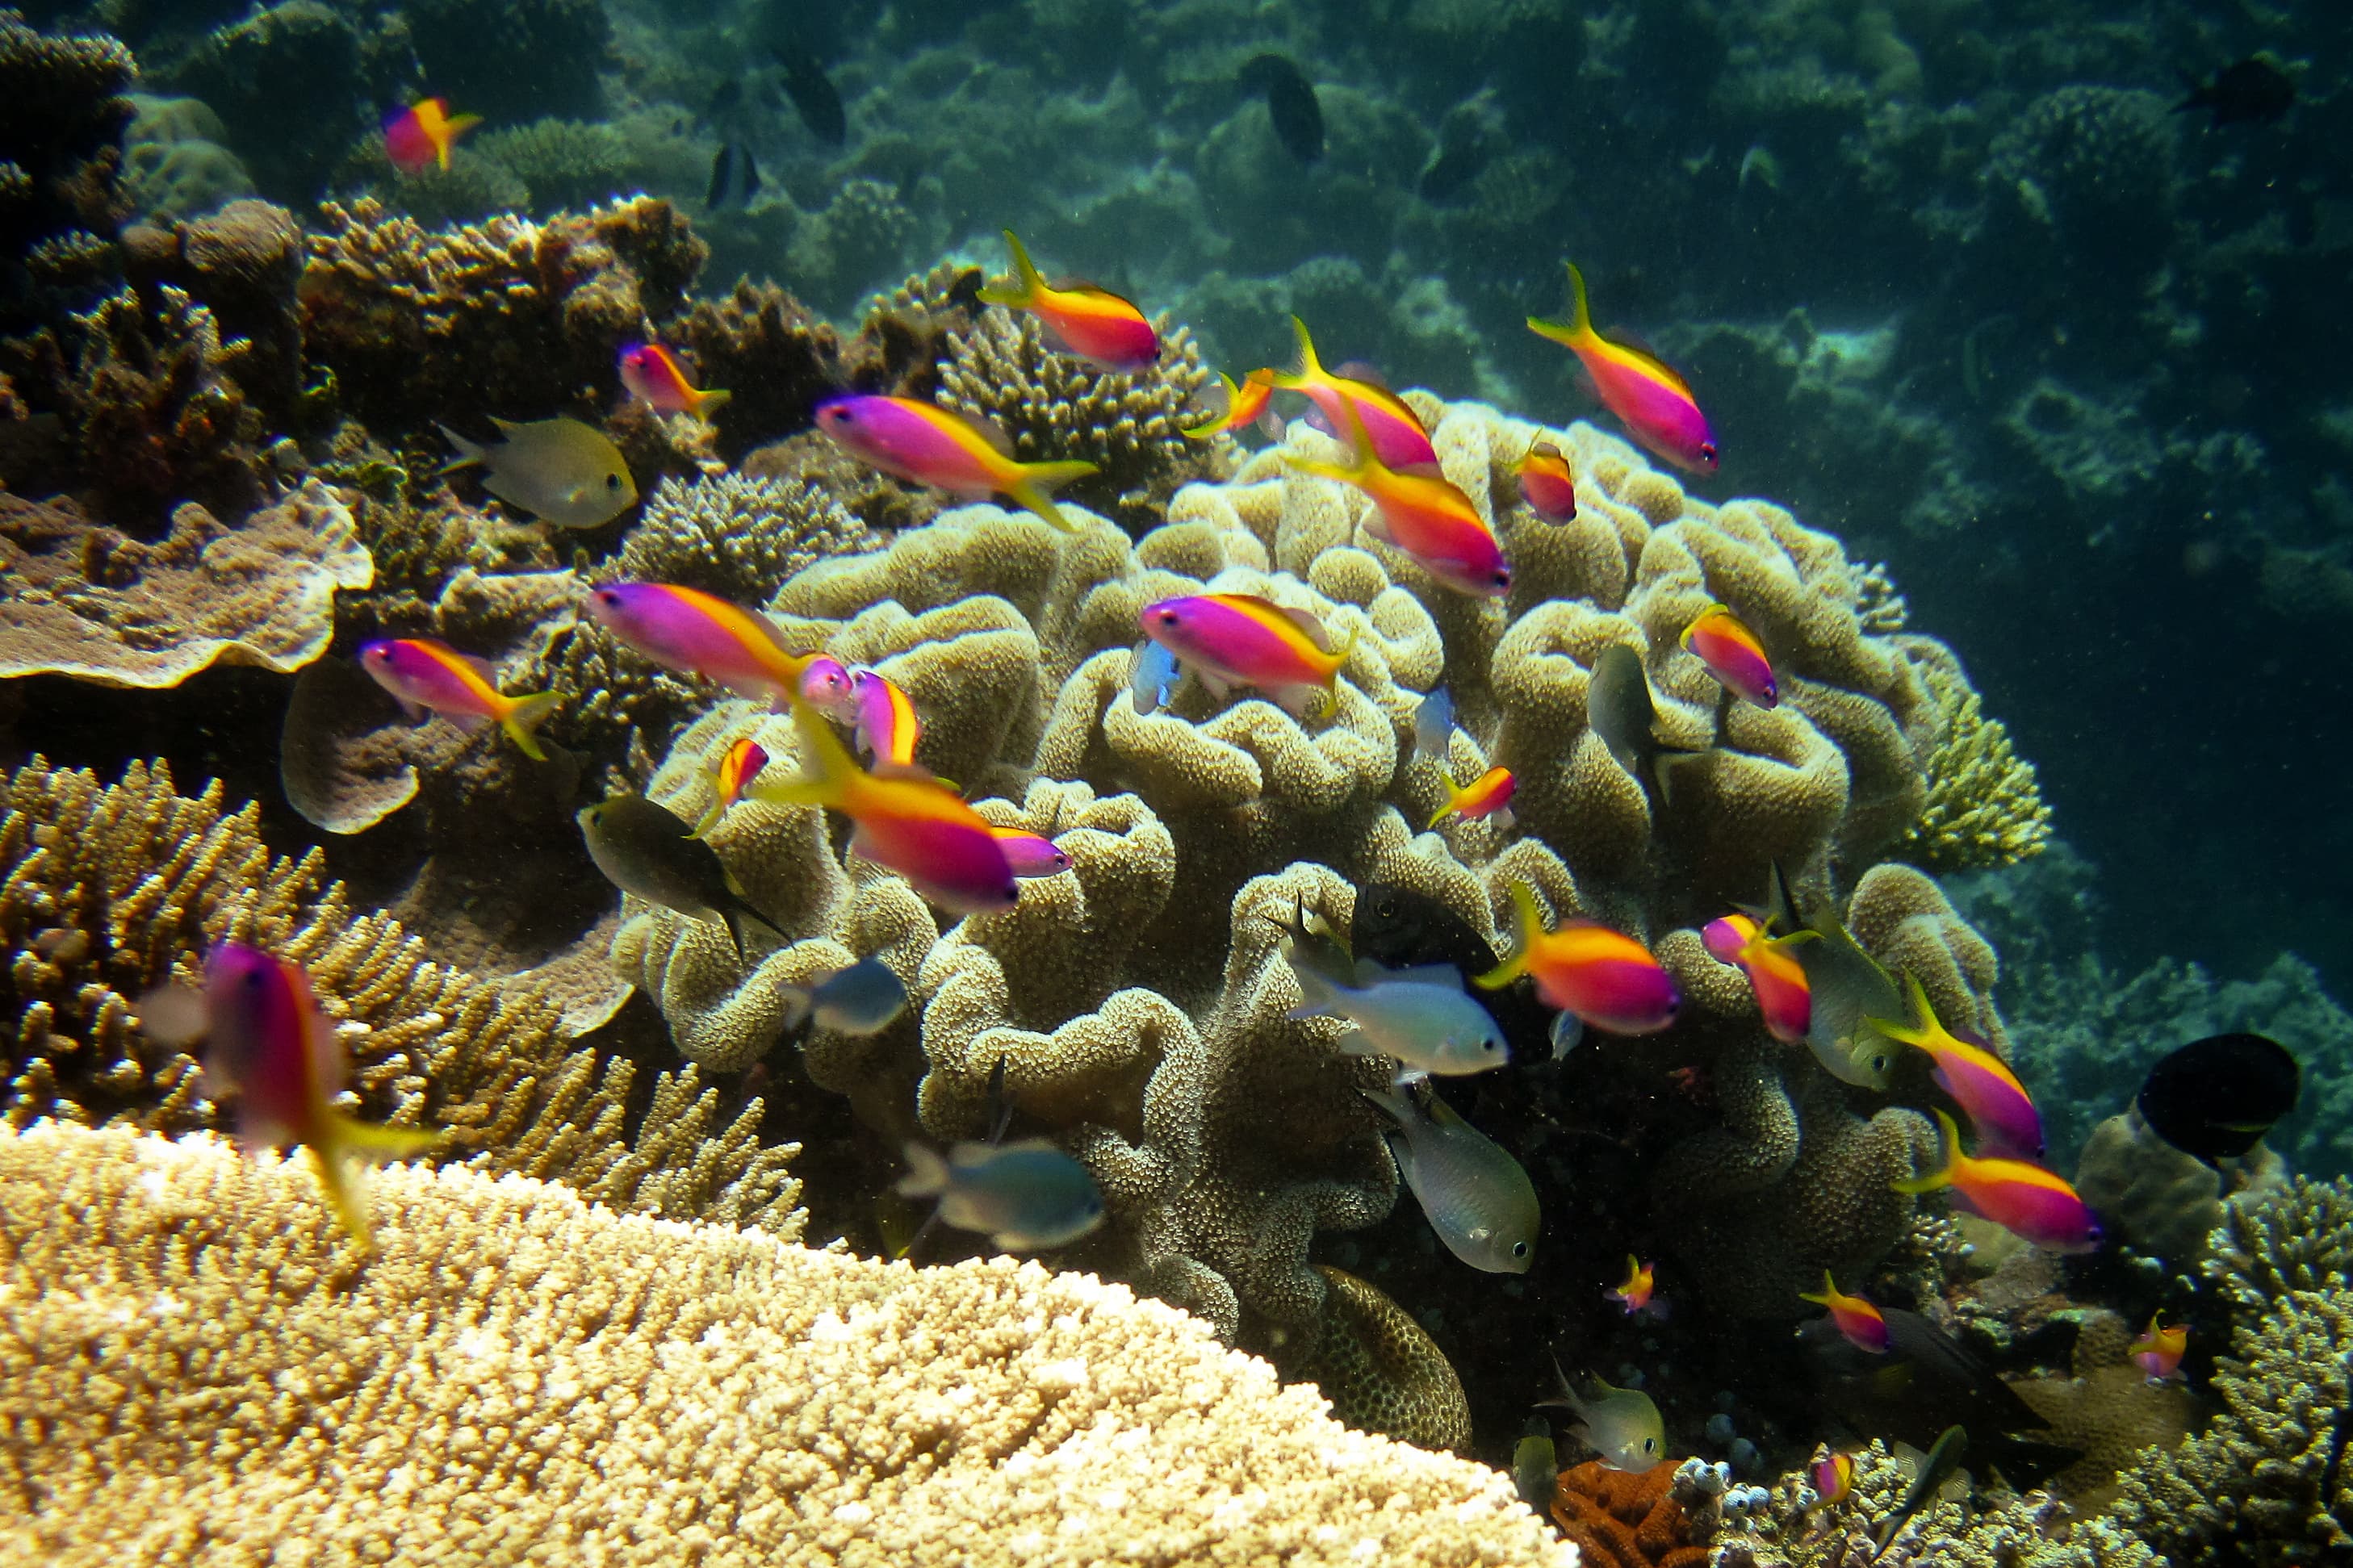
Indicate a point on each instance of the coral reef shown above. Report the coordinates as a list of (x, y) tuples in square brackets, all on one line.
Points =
[(63, 107), (1380, 1370), (1983, 807), (737, 537), (1620, 1519), (980, 1411)]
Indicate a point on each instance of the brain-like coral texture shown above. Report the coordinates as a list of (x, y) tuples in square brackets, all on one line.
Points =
[(516, 1373)]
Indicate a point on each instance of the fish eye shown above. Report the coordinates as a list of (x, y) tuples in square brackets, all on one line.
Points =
[(1503, 578), (1519, 1249), (1167, 617), (1707, 450), (1649, 1444), (612, 481), (1386, 908)]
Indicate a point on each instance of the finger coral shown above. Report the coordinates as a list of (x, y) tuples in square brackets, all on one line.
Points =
[(1983, 807), (516, 1373)]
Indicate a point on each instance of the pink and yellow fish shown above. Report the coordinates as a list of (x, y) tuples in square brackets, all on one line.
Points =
[(2158, 1352), (915, 827), (2028, 1202), (1235, 405), (423, 674), (887, 728), (1779, 981), (269, 1043), (1488, 795), (1834, 1477), (929, 445), (1031, 853), (1240, 639), (739, 764), (652, 373), (1856, 1318), (2000, 1112), (419, 137), (1604, 977), (700, 634), (1095, 324), (1397, 438), (1422, 513), (1722, 641), (1641, 1283), (1547, 482), (1652, 401)]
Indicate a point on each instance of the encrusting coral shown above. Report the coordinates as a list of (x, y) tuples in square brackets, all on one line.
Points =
[(1620, 1519), (110, 891), (515, 1373)]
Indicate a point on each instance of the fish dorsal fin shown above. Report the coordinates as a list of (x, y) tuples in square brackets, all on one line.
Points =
[(506, 427), (1360, 371), (1307, 622), (1421, 471), (991, 432), (1633, 344), (481, 667)]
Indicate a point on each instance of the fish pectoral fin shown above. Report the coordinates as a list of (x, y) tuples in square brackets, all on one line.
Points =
[(469, 723)]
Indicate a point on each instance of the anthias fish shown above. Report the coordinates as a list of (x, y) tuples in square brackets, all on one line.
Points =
[(1031, 853), (1232, 406), (739, 764), (1241, 639), (1547, 482), (1394, 428), (424, 675), (1489, 795), (419, 137), (1094, 324), (1420, 513), (702, 634), (646, 848), (1022, 1195), (559, 471), (2000, 1112), (1834, 1478), (887, 727), (927, 444), (1651, 400), (1856, 1318), (1722, 641), (2034, 1204), (1640, 1284), (652, 373), (1603, 976), (1784, 998), (2158, 1352)]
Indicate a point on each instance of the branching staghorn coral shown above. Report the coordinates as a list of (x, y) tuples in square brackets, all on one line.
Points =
[(110, 891), (1983, 808), (737, 537), (515, 1373)]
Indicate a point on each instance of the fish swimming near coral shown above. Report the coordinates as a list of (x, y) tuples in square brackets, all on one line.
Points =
[(646, 848), (1291, 102), (1621, 711), (652, 374), (1433, 727), (559, 471), (1402, 928), (738, 765), (859, 999), (886, 727), (270, 1044), (423, 674), (1022, 1195), (1847, 988), (1031, 853), (1535, 1466), (1722, 641), (1399, 440), (1604, 977), (1547, 481), (927, 444), (734, 177), (702, 634), (814, 97), (419, 137), (1833, 1478), (1420, 514), (1489, 796), (1925, 1380), (1784, 998), (1620, 1425), (2000, 1112), (2217, 1097), (2253, 91), (2036, 1205), (1232, 406), (1226, 640), (1943, 1461), (1094, 324), (1474, 1194), (1641, 1287), (1650, 399), (1864, 1325), (1420, 1017), (2160, 1350)]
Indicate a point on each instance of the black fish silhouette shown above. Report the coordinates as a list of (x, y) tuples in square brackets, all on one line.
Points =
[(734, 177), (2254, 91), (2215, 1098), (1291, 100)]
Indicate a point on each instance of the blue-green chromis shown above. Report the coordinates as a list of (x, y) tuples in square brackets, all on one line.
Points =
[(1022, 1195), (1479, 1202), (1420, 1015), (861, 999), (1621, 1425)]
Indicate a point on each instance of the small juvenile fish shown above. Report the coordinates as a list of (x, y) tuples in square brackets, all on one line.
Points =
[(2158, 1352), (1094, 324), (1547, 482), (702, 634), (1856, 1318), (1232, 407), (559, 471), (270, 1041), (1422, 1017), (887, 728), (1152, 677), (419, 137), (1620, 1425), (739, 764), (1022, 1195), (1488, 795), (1652, 401), (1399, 440), (929, 445), (652, 373), (1291, 102), (646, 848), (1775, 977), (2031, 1202), (2000, 1112), (1605, 977), (1476, 1196), (1422, 513), (1834, 1477), (423, 674), (734, 177), (861, 999), (1722, 641), (1031, 853), (1240, 639), (1433, 727), (1536, 1467), (1642, 1282)]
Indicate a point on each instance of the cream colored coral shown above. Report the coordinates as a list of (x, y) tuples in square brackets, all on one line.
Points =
[(517, 1376), (1982, 807)]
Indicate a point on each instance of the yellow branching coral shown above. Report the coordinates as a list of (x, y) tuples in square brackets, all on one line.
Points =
[(518, 1376), (1983, 807)]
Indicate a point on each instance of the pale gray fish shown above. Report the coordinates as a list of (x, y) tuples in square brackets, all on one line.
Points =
[(1152, 677), (861, 999), (1621, 1425), (648, 850), (559, 471), (1022, 1195), (1477, 1198), (1433, 727), (1420, 1015)]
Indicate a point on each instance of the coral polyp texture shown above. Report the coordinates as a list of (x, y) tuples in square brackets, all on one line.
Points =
[(516, 1371)]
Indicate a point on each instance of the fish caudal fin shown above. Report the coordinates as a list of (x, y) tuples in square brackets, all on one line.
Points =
[(829, 770), (1830, 1288), (1918, 1029), (927, 1173), (525, 715), (1039, 480), (469, 452), (706, 403), (1306, 367), (1943, 1175), (1578, 326), (1025, 285), (1531, 927), (341, 1181)]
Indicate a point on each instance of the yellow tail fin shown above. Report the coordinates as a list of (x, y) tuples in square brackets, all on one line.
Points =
[(1943, 1175), (1532, 926), (1305, 369), (1027, 284), (709, 403), (526, 714), (829, 770), (1579, 325), (1039, 480)]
